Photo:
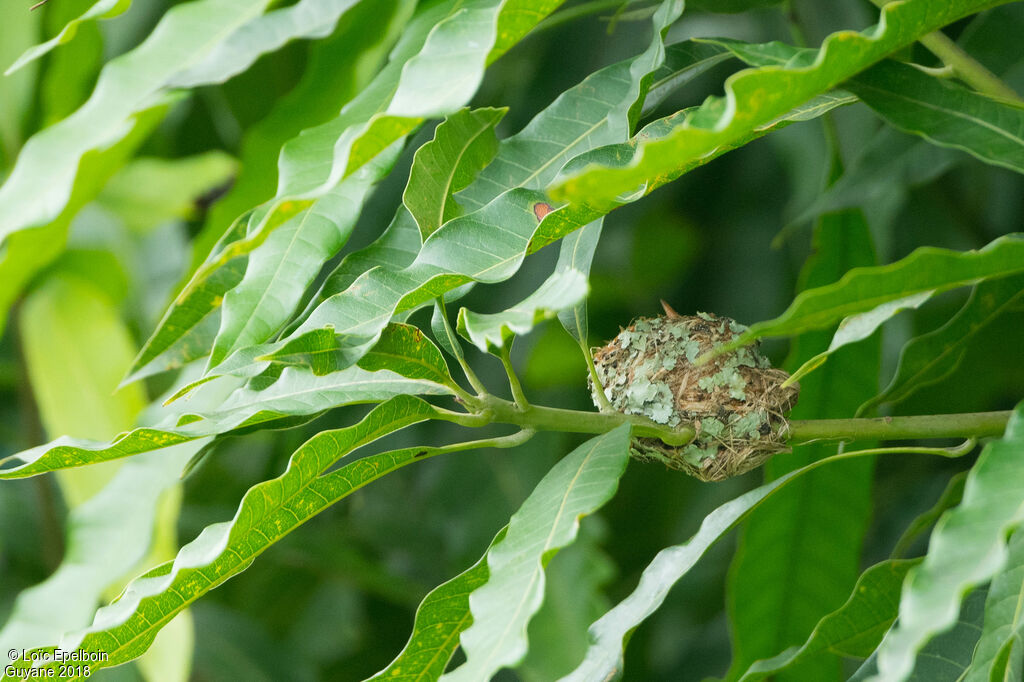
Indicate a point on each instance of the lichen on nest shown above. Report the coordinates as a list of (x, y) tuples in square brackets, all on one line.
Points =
[(735, 402)]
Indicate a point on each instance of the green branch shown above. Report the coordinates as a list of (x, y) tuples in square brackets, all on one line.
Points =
[(492, 410), (971, 425), (964, 66)]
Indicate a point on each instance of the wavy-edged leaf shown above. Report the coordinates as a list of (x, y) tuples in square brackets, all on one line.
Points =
[(967, 547), (947, 657), (799, 556), (297, 393), (944, 113), (271, 31), (280, 270), (1000, 650), (604, 658), (564, 289), (609, 633), (440, 619), (862, 289), (102, 9), (338, 68), (463, 144), (41, 183), (754, 97), (446, 43), (931, 357), (548, 520), (859, 327), (269, 511), (600, 110), (853, 630), (489, 244)]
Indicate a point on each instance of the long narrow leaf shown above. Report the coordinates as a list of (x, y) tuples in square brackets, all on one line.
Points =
[(756, 96), (853, 630), (798, 557), (1001, 647), (931, 357), (268, 512), (862, 289), (547, 521), (440, 618), (102, 9), (968, 547), (944, 113)]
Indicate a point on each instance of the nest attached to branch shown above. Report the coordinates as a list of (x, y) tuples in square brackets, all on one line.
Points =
[(735, 402)]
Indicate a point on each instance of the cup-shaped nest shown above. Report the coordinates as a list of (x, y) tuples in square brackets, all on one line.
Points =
[(736, 402)]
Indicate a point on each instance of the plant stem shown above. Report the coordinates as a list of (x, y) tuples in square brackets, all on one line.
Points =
[(456, 349), (495, 410), (966, 67), (513, 381), (971, 425), (603, 403)]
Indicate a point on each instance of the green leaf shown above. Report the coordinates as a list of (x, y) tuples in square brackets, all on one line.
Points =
[(463, 144), (266, 33), (151, 191), (859, 327), (269, 511), (338, 68), (102, 9), (863, 289), (853, 630), (281, 269), (944, 113), (931, 357), (564, 289), (947, 657), (999, 651), (441, 617), (610, 633), (799, 556), (297, 393), (950, 497), (489, 244), (968, 547), (445, 43), (576, 253), (404, 349), (109, 535), (547, 521), (754, 97), (41, 183), (598, 111)]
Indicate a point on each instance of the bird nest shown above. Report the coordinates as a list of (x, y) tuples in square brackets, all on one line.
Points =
[(736, 402)]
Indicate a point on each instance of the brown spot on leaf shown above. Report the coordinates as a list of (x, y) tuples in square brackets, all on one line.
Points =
[(541, 209)]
